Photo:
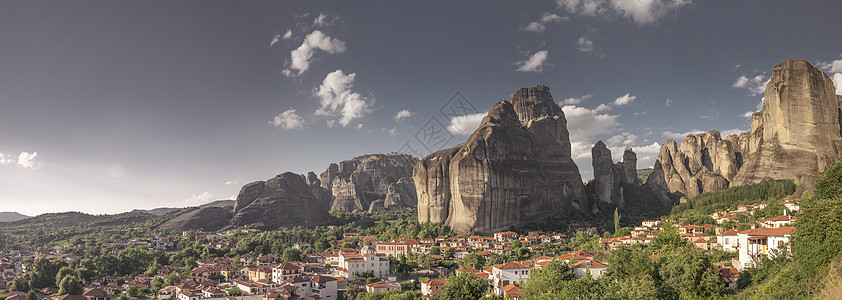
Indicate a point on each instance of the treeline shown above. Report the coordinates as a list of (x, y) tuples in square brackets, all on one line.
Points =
[(739, 195), (803, 273)]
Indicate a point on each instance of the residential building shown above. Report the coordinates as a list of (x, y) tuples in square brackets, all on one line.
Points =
[(433, 286), (284, 271), (779, 221), (351, 265), (762, 242), (508, 273), (381, 287), (728, 241), (595, 268)]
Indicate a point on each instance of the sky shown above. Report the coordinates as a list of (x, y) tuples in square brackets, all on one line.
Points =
[(108, 106)]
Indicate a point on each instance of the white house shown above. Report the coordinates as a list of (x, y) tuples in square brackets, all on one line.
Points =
[(381, 287), (595, 268), (322, 287), (284, 271), (352, 264), (508, 273), (651, 223), (432, 286), (757, 243), (779, 221), (728, 241)]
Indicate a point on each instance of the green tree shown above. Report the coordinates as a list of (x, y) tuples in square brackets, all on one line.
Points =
[(667, 236), (547, 280), (70, 285), (464, 286), (435, 250), (20, 284), (473, 260), (132, 292), (292, 254), (64, 271), (689, 274), (616, 220), (640, 287), (516, 244), (31, 295), (818, 235), (449, 252), (830, 184), (235, 292)]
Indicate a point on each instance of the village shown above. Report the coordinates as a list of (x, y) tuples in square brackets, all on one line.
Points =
[(369, 268)]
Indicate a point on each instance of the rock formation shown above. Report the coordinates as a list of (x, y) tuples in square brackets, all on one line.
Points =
[(209, 218), (353, 185), (795, 136), (284, 200), (514, 169), (609, 178)]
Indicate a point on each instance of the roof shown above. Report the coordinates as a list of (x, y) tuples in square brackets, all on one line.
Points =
[(731, 232), (513, 291), (584, 264), (467, 269), (780, 218), (783, 230), (729, 272), (381, 285), (435, 281), (96, 293), (511, 265)]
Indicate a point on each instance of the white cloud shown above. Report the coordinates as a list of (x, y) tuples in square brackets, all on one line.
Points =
[(198, 199), (230, 182), (116, 170), (757, 108), (641, 113), (359, 126), (833, 66), (288, 119), (755, 85), (403, 115), (535, 62), (624, 138), (546, 18), (393, 131), (232, 197), (27, 160), (465, 125), (4, 159), (338, 98), (584, 123), (275, 39), (641, 12), (287, 35), (584, 44), (300, 57), (646, 154), (574, 100), (668, 103), (624, 99), (324, 20), (837, 81), (680, 135)]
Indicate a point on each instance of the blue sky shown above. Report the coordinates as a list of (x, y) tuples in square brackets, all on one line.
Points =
[(108, 106)]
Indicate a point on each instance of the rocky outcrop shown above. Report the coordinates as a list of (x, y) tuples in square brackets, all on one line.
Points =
[(354, 184), (609, 178), (514, 169), (794, 137), (210, 218), (284, 200)]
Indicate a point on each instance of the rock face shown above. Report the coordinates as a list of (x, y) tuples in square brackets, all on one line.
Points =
[(795, 136), (284, 200), (514, 169), (609, 178), (353, 185), (206, 218)]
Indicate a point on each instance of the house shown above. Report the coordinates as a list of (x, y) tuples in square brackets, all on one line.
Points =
[(728, 241), (651, 223), (167, 292), (23, 297), (325, 287), (97, 294), (256, 273), (433, 286), (792, 205), (213, 292), (203, 273), (512, 291), (508, 273), (301, 245), (779, 221), (352, 264), (729, 277), (761, 242), (381, 287), (189, 295), (506, 236), (595, 268), (62, 297), (392, 249), (284, 271)]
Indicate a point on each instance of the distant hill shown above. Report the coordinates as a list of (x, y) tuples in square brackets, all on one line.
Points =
[(644, 173), (11, 216), (164, 210)]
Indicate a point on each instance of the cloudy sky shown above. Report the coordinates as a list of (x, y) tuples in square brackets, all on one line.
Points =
[(108, 106)]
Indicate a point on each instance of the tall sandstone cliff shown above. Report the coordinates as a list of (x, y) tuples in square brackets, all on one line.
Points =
[(514, 169), (609, 177), (284, 200), (795, 136), (367, 183)]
